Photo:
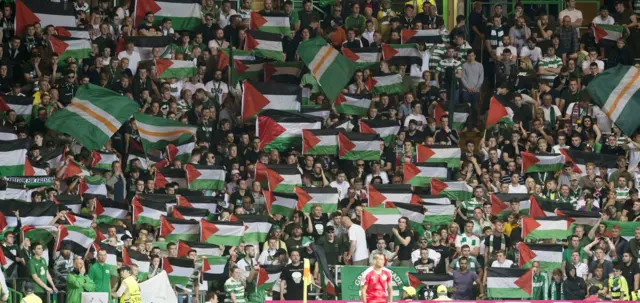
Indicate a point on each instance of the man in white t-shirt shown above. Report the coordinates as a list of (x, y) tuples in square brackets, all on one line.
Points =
[(468, 238), (502, 261), (357, 252), (341, 184), (216, 88), (131, 54), (593, 57), (515, 187), (416, 114), (573, 13), (604, 17)]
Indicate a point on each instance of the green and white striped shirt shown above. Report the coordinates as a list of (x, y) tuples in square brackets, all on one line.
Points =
[(469, 205), (622, 194), (234, 287), (550, 62), (437, 53), (448, 62)]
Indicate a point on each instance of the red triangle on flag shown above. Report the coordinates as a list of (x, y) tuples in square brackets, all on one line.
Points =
[(166, 228), (303, 197), (205, 267), (345, 145), (526, 254), (99, 235), (162, 65), (497, 205), (182, 201), (62, 234), (329, 287), (240, 67), (207, 229), (263, 277), (309, 140), (562, 214), (410, 171), (3, 259), (28, 169), (257, 21), (534, 208), (350, 54), (269, 198), (172, 152), (223, 60), (125, 257), (423, 153), (525, 282), (375, 197), (3, 221), (567, 158), (253, 101), (73, 169), (437, 113), (62, 32), (269, 70), (166, 266), (497, 111), (4, 106), (183, 249), (70, 218), (95, 158), (408, 34), (339, 100), (192, 173), (59, 46), (273, 178), (529, 225), (160, 181), (415, 200), (388, 52), (437, 186), (142, 7), (177, 215), (250, 43), (137, 209), (82, 187), (368, 219), (366, 129), (24, 16), (414, 281), (270, 130), (120, 45), (371, 83), (528, 159), (599, 33), (99, 208)]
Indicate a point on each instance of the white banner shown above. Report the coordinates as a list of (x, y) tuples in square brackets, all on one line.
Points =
[(95, 297), (157, 290)]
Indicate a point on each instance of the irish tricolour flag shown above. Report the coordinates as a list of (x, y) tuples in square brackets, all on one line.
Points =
[(509, 283), (607, 32), (387, 129), (351, 104), (257, 97), (184, 14), (616, 92), (420, 174), (320, 141), (280, 203), (549, 256), (178, 69), (205, 177), (533, 163), (356, 146), (280, 178), (545, 228), (438, 154), (282, 130), (221, 233), (325, 197), (276, 23), (454, 190)]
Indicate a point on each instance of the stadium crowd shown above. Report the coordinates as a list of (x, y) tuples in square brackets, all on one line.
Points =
[(534, 65)]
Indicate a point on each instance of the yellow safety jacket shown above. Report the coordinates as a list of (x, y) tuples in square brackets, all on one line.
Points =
[(635, 296), (442, 299), (31, 298), (132, 294), (620, 291)]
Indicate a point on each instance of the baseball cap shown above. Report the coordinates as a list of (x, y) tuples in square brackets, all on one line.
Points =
[(409, 290), (442, 289)]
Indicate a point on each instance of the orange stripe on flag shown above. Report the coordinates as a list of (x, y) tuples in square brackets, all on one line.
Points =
[(324, 58), (624, 90), (163, 134), (94, 115)]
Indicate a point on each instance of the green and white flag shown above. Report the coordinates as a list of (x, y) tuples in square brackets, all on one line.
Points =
[(280, 203), (273, 22), (320, 141), (454, 190), (509, 283), (325, 197), (387, 129), (282, 130), (94, 115), (157, 133), (179, 69), (178, 229), (615, 91), (205, 177), (351, 104), (420, 174)]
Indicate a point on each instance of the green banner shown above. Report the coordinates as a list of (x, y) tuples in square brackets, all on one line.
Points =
[(32, 182), (351, 276)]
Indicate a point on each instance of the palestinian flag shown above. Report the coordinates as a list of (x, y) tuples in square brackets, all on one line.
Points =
[(44, 12), (221, 233), (214, 268), (8, 259), (351, 104), (256, 228), (78, 220), (417, 280), (131, 257), (144, 45), (179, 69), (72, 203), (168, 175), (179, 270), (356, 146), (168, 200), (245, 65), (202, 202), (281, 130), (533, 163), (189, 213), (283, 72), (112, 256), (181, 152), (420, 174), (13, 158), (257, 97), (276, 23), (280, 203), (147, 212), (156, 133), (427, 36), (378, 220), (94, 115), (346, 124), (545, 228), (93, 185), (184, 14), (500, 204), (459, 116), (103, 160), (73, 32), (549, 256), (264, 45), (109, 211), (397, 193), (7, 134), (268, 275), (415, 214), (438, 210), (579, 217), (366, 57), (280, 178), (325, 197), (205, 177), (145, 163), (332, 70), (385, 83), (614, 91), (14, 191), (405, 54), (202, 249), (387, 129), (454, 190), (498, 112), (320, 142), (607, 32), (66, 48), (33, 214), (75, 169), (79, 239), (23, 106), (581, 158), (319, 112), (178, 229), (439, 154), (627, 229), (509, 283)]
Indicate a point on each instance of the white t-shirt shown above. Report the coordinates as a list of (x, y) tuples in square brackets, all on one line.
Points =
[(534, 54), (342, 188), (520, 189), (224, 19), (586, 64), (357, 234), (217, 88), (598, 20), (432, 254), (134, 59), (547, 113), (574, 14), (422, 121), (507, 264), (383, 175)]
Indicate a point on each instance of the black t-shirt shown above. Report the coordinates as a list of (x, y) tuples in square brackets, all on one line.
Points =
[(319, 225), (404, 252), (629, 271), (445, 253), (424, 267), (417, 137), (292, 274)]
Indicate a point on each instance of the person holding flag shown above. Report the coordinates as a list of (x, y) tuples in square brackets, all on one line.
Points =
[(376, 286)]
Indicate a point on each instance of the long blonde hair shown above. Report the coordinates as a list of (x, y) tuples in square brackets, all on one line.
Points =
[(527, 63)]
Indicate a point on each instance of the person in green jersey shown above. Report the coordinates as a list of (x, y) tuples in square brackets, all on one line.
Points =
[(466, 207), (100, 273), (78, 282), (234, 287), (540, 283), (39, 272)]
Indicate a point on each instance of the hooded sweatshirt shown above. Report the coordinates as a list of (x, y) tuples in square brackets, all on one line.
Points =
[(574, 287)]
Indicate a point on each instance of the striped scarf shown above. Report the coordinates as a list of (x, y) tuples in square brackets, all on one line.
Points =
[(502, 243), (496, 37), (553, 291)]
